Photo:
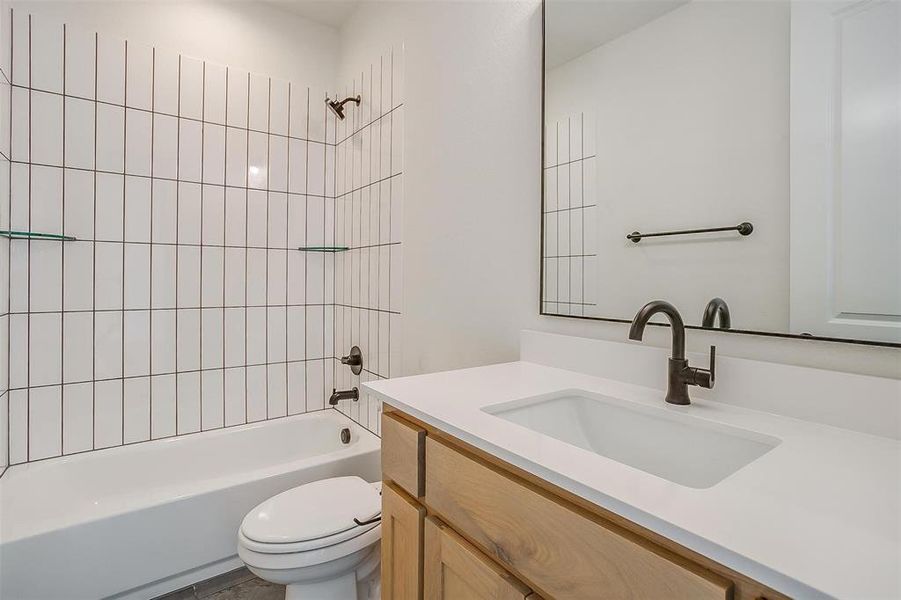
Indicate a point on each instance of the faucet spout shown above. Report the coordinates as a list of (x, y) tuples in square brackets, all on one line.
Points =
[(337, 396), (681, 375), (636, 331)]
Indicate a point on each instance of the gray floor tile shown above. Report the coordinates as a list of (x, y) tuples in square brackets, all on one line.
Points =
[(253, 589), (182, 594), (207, 588), (239, 584)]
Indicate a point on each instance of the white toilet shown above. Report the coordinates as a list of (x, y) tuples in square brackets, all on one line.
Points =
[(307, 539)]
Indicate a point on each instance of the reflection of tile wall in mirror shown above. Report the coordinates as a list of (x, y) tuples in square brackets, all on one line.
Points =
[(569, 214)]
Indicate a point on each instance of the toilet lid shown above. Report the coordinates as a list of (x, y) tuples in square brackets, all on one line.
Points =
[(320, 509)]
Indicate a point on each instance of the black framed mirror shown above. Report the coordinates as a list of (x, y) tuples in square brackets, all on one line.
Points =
[(738, 159)]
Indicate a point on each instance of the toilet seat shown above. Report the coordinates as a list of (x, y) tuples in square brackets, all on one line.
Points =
[(271, 558), (312, 517), (307, 545)]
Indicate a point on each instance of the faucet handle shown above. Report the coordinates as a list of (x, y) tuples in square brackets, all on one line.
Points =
[(354, 360), (702, 377)]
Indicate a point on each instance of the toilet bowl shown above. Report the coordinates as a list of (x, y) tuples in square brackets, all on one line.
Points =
[(307, 539)]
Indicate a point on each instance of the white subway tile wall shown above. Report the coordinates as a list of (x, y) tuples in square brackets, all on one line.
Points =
[(368, 219), (185, 305), (569, 273)]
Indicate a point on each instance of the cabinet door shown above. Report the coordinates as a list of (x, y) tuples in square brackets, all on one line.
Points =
[(402, 521), (455, 570)]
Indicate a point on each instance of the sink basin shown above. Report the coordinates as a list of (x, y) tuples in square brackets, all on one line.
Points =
[(659, 440)]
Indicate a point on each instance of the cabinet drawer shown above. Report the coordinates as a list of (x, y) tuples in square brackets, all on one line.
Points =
[(403, 454), (557, 548)]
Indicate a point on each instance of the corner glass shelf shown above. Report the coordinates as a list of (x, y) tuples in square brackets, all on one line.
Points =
[(329, 249), (34, 235)]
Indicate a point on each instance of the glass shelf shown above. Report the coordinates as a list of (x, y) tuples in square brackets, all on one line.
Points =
[(34, 235), (330, 249)]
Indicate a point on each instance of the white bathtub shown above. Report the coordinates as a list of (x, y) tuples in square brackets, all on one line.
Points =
[(142, 520)]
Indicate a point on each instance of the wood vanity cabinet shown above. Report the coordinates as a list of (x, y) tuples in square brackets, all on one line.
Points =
[(459, 524)]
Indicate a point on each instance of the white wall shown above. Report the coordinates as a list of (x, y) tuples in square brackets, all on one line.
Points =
[(473, 126), (691, 114), (253, 36), (471, 172)]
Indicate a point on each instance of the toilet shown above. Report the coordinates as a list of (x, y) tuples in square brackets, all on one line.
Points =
[(306, 539)]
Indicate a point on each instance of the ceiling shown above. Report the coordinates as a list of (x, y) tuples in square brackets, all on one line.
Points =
[(333, 13), (573, 27)]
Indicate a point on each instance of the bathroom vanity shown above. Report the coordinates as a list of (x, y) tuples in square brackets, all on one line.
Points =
[(523, 480), (482, 519)]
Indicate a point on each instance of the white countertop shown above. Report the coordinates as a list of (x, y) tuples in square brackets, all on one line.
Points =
[(818, 516)]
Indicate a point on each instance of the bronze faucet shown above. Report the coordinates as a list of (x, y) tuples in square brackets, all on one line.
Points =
[(337, 396), (681, 375)]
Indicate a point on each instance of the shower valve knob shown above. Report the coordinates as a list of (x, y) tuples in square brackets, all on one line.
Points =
[(354, 360)]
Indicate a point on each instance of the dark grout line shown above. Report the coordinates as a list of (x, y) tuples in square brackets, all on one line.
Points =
[(199, 182), (166, 373), (570, 256), (559, 210), (165, 114), (569, 162), (370, 122)]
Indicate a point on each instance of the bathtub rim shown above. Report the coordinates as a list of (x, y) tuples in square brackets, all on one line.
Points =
[(139, 499)]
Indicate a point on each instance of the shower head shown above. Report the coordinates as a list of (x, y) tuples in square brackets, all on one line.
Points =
[(338, 107)]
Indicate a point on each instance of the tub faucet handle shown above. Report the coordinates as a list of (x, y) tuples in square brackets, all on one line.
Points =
[(354, 360)]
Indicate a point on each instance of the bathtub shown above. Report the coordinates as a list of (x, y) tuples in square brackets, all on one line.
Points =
[(141, 520)]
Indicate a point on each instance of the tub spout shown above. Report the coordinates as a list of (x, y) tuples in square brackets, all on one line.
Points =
[(351, 394)]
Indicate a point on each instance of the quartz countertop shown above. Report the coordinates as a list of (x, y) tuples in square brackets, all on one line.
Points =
[(818, 516)]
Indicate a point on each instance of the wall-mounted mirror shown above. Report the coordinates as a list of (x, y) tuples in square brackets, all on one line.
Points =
[(743, 150)]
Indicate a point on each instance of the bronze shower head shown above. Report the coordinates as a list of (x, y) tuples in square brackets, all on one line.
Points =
[(338, 107)]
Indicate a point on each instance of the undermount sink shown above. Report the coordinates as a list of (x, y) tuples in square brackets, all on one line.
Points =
[(662, 441)]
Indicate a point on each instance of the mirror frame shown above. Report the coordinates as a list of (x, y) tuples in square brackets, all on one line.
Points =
[(542, 312)]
